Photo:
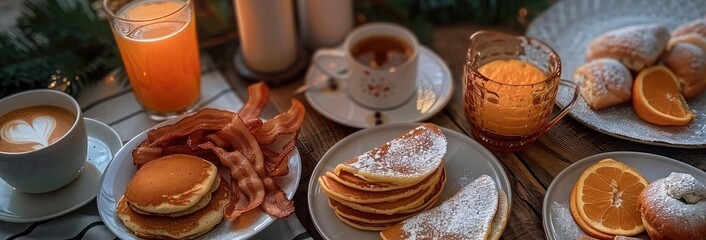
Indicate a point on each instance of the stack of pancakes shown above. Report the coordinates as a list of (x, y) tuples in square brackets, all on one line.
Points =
[(389, 183), (176, 196), (478, 211)]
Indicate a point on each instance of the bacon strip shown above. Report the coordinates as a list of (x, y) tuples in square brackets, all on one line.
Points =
[(207, 120), (143, 154), (284, 123), (238, 136), (249, 184), (276, 203), (258, 95), (277, 163)]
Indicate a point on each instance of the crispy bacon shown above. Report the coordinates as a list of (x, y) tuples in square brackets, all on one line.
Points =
[(277, 163), (244, 142), (249, 184), (276, 203), (206, 120), (258, 95), (144, 154), (284, 123)]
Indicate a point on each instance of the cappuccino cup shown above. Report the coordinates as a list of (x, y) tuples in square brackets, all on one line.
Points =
[(382, 61), (43, 140)]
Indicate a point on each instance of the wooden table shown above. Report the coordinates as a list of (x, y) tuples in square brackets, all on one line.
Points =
[(530, 171)]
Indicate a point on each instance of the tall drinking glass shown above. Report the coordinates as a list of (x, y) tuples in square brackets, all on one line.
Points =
[(158, 46)]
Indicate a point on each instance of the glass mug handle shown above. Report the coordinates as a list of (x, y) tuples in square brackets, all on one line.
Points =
[(328, 67), (565, 110)]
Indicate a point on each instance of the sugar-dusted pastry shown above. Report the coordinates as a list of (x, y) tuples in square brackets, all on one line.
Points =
[(604, 83), (688, 62), (674, 208), (636, 46), (693, 32)]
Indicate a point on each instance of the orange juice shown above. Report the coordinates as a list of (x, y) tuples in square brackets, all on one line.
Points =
[(158, 46), (512, 71), (513, 112)]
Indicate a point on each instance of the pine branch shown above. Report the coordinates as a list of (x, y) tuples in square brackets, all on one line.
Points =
[(56, 40)]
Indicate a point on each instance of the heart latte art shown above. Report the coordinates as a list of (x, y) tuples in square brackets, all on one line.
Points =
[(37, 132), (33, 128)]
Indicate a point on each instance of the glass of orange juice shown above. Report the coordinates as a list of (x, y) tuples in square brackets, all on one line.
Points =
[(510, 87), (159, 49)]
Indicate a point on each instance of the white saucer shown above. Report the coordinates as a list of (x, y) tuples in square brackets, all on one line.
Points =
[(19, 207), (434, 84)]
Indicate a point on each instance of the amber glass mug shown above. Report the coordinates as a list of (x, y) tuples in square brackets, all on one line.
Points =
[(510, 117)]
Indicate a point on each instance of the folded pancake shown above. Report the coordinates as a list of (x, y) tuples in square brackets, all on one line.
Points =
[(388, 208), (405, 160), (185, 227), (497, 226), (468, 214), (171, 185), (353, 181), (372, 218), (335, 188)]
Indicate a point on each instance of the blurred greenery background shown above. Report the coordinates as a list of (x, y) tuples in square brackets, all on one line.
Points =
[(68, 45)]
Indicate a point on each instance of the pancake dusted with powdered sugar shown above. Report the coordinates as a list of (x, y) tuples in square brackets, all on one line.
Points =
[(405, 160)]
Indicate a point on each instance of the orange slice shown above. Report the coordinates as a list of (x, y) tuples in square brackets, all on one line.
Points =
[(606, 198), (657, 98), (577, 218)]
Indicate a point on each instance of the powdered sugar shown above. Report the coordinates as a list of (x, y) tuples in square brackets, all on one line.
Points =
[(609, 76), (466, 215), (642, 41), (567, 226), (418, 153), (686, 187), (673, 209)]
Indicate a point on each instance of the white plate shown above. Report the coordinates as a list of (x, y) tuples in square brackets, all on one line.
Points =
[(465, 161), (558, 223), (434, 90), (568, 27), (21, 207), (120, 173)]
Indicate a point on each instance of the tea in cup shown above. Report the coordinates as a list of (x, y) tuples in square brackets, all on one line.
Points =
[(43, 140), (510, 87), (382, 63)]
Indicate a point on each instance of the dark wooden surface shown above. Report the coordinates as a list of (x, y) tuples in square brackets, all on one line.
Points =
[(530, 171)]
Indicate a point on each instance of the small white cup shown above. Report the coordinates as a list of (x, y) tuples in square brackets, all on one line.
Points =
[(373, 87), (51, 167)]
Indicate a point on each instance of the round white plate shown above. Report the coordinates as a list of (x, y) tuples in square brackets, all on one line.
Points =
[(465, 161), (568, 27), (121, 170), (21, 207), (558, 223), (434, 90)]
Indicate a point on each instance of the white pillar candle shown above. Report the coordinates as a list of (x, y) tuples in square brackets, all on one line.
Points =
[(324, 23), (267, 34)]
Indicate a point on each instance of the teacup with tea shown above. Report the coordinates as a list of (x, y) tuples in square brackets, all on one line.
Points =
[(43, 140), (382, 61)]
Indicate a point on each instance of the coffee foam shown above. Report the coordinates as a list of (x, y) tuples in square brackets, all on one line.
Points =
[(32, 128)]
